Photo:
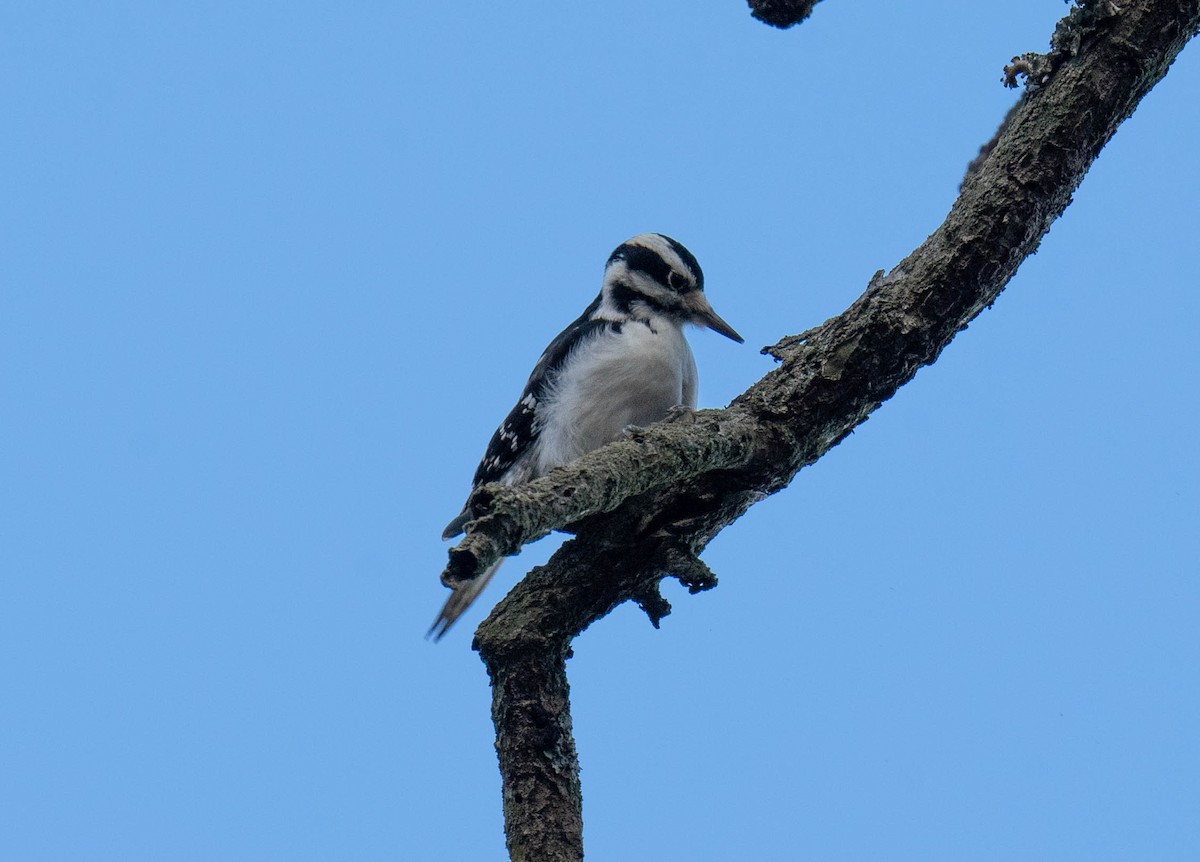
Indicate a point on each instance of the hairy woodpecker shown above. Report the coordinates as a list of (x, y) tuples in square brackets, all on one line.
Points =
[(623, 362)]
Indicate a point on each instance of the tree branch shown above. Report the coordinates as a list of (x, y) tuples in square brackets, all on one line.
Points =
[(509, 517), (644, 508)]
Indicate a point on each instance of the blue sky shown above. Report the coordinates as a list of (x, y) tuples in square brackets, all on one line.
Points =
[(273, 272)]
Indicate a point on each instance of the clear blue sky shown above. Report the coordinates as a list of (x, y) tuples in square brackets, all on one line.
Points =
[(271, 274)]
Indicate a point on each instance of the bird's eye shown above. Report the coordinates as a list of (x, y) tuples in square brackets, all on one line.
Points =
[(677, 281)]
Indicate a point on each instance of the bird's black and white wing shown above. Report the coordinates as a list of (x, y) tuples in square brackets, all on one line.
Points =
[(511, 455)]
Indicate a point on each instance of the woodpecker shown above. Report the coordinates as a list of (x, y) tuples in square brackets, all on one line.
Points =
[(623, 362)]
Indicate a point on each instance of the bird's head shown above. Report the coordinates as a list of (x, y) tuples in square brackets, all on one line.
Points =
[(653, 274)]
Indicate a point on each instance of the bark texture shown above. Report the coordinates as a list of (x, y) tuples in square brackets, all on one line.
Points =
[(644, 508)]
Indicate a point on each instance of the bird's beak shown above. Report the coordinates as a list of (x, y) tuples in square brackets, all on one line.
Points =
[(707, 317)]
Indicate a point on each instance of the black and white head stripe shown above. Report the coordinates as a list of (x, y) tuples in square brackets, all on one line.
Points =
[(661, 258), (651, 275)]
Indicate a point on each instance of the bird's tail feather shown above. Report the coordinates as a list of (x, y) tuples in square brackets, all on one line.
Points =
[(460, 599)]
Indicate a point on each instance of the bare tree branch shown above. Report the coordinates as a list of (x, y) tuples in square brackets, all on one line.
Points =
[(644, 508)]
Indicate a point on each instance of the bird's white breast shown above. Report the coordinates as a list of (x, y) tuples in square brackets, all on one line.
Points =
[(633, 376)]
